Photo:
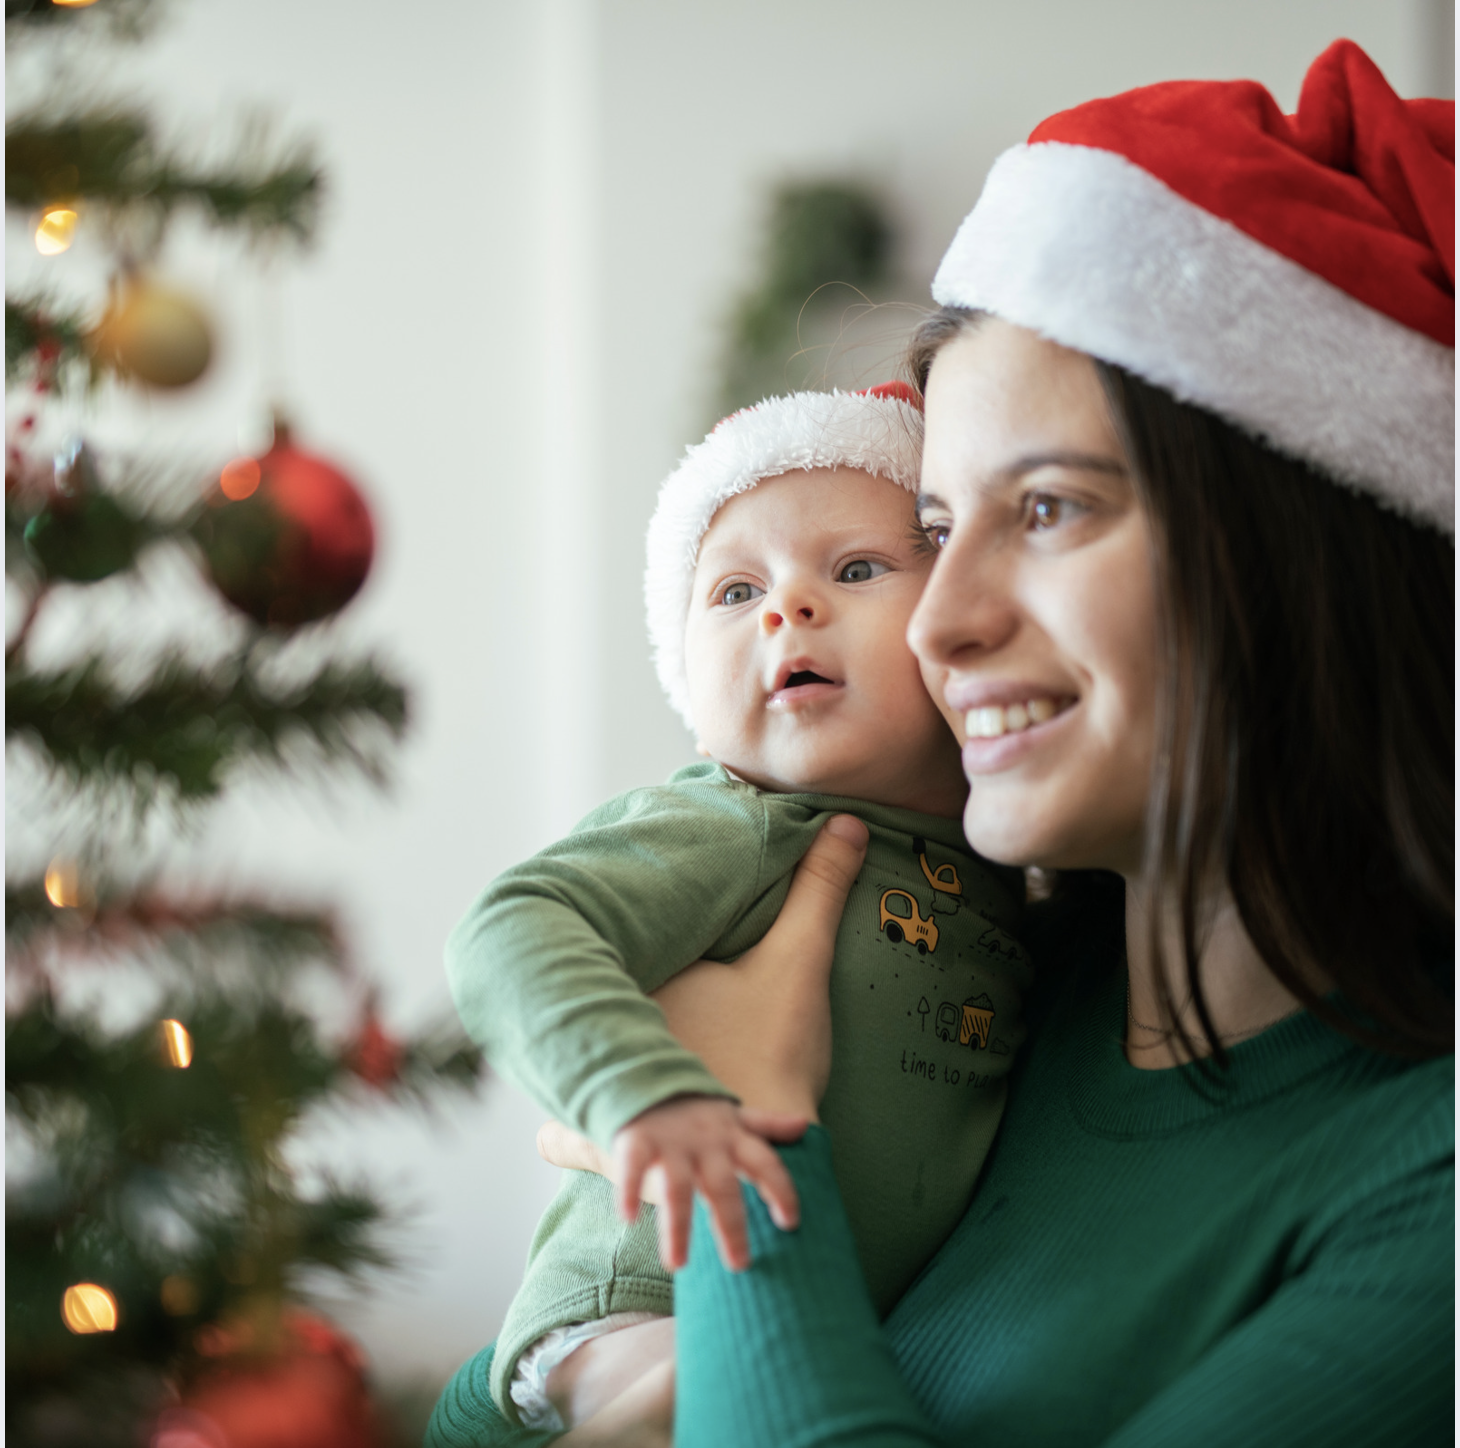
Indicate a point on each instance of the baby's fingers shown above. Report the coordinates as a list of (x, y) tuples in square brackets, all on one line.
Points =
[(720, 1187), (760, 1164), (632, 1158), (674, 1216)]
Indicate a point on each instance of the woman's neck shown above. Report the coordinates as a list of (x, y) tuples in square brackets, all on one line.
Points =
[(1242, 995)]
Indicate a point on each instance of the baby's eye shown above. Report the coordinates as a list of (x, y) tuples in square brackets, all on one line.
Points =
[(860, 570), (741, 593)]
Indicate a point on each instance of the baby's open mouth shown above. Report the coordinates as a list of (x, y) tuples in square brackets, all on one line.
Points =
[(804, 676)]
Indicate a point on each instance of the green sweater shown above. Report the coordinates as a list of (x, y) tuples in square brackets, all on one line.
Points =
[(1151, 1260), (550, 965)]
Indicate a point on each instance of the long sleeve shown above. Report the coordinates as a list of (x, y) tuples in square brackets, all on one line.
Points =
[(789, 1351), (1152, 1258), (550, 966), (1356, 1348)]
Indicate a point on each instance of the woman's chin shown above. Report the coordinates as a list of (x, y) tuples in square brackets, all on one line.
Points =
[(1010, 834), (992, 838)]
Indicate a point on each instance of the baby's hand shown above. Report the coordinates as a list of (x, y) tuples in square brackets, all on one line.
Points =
[(700, 1143)]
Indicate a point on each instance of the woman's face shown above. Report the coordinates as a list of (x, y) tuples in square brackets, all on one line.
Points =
[(1037, 629)]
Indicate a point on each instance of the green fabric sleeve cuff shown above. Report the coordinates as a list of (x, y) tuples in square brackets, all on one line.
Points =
[(645, 1084), (466, 1417), (789, 1351)]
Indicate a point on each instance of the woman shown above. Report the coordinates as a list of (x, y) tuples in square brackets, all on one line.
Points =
[(1221, 1207)]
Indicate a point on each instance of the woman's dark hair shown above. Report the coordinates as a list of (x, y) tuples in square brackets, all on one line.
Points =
[(1306, 720)]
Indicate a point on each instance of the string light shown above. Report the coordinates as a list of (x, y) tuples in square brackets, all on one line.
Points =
[(177, 1045), (240, 479), (179, 1296), (87, 1307), (56, 231), (63, 883), (73, 4)]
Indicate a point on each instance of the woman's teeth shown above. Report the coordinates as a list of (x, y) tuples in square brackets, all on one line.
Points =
[(993, 720)]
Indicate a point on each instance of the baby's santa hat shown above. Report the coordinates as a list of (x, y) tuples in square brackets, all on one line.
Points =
[(879, 431), (1292, 274)]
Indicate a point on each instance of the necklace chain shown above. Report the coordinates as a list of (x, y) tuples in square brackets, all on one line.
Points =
[(1166, 1033)]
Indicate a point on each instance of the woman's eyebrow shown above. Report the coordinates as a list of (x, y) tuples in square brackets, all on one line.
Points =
[(1082, 462), (1030, 463)]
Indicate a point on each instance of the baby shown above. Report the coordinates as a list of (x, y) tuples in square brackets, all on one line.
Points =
[(783, 568)]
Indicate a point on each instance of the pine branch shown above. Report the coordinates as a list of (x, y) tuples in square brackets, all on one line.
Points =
[(48, 336), (188, 728), (113, 158), (197, 931), (437, 1058)]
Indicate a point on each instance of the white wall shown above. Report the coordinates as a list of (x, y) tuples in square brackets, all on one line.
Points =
[(538, 216)]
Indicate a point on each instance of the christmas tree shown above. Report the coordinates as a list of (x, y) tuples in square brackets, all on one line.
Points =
[(166, 1040)]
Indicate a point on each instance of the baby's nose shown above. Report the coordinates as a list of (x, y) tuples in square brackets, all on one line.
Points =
[(772, 619)]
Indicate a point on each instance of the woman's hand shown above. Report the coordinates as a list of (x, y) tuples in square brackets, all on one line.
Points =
[(763, 1026)]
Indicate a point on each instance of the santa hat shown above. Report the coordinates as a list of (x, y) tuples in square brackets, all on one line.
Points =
[(879, 431), (1292, 274)]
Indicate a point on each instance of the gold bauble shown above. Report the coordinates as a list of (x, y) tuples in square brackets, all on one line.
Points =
[(155, 334)]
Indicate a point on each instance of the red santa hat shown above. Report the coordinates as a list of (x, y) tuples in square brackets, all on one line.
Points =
[(879, 431), (1292, 274)]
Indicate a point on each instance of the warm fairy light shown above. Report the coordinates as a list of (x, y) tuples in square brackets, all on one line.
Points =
[(63, 883), (241, 479), (73, 4), (89, 1308), (177, 1045), (57, 230), (180, 1296)]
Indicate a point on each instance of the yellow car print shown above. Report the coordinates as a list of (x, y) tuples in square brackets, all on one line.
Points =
[(905, 923)]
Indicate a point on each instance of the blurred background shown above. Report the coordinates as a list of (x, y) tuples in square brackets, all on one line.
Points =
[(557, 239)]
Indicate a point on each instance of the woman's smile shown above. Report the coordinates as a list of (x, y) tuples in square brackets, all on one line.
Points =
[(994, 744)]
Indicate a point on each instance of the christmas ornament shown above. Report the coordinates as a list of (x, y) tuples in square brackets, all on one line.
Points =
[(287, 537), (311, 1394), (375, 1057), (153, 333), (82, 534)]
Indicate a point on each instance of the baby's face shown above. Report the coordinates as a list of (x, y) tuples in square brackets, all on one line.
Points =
[(800, 677)]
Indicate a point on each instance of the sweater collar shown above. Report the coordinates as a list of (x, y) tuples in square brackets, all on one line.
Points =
[(1111, 1097)]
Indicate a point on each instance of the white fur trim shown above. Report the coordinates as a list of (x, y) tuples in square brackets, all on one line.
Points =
[(1088, 249), (880, 435)]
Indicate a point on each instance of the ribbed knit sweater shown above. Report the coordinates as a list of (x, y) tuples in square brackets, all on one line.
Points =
[(1153, 1258)]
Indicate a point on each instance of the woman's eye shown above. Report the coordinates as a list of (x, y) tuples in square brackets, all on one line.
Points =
[(860, 570), (1046, 510), (933, 536), (741, 593)]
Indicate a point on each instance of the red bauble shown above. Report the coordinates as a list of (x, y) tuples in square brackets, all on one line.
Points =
[(287, 537), (375, 1057), (311, 1395)]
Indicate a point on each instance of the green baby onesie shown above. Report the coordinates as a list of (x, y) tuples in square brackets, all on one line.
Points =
[(551, 966)]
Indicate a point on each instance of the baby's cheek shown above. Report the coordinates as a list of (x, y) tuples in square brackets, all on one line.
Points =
[(934, 681)]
